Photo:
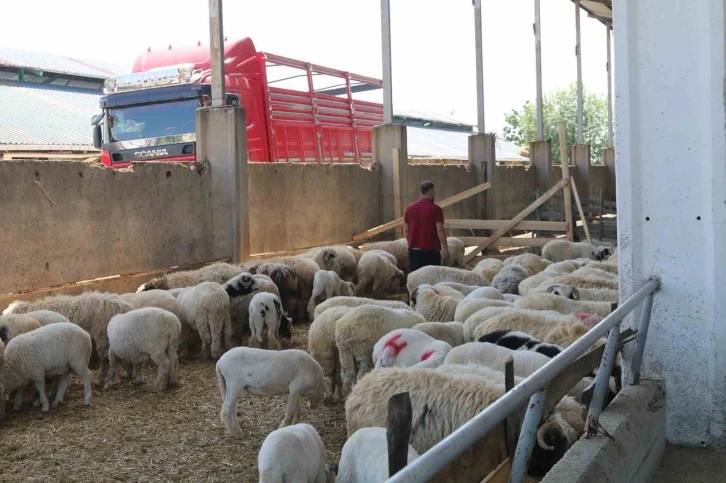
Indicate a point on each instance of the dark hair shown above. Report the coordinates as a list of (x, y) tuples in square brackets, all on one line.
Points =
[(426, 186)]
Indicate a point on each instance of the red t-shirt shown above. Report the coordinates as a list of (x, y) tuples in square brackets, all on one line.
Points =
[(421, 218)]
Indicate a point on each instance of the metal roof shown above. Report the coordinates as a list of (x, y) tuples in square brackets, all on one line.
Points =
[(438, 144), (59, 64), (601, 10), (33, 114)]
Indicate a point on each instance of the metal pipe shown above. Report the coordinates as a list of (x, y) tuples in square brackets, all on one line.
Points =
[(538, 70), (640, 341), (578, 53), (527, 437), (479, 67), (387, 64), (216, 52), (602, 381), (448, 449), (610, 89)]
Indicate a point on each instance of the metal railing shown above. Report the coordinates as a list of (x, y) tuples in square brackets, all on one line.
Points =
[(451, 447)]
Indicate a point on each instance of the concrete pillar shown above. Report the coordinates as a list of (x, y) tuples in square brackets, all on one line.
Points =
[(386, 138), (482, 159), (540, 153), (222, 147), (581, 173), (609, 161), (670, 134)]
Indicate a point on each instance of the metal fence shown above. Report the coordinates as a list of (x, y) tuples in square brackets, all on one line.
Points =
[(534, 389)]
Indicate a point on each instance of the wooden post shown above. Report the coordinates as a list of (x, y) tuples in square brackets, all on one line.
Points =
[(511, 424), (398, 433), (579, 209), (566, 190), (397, 208), (602, 212)]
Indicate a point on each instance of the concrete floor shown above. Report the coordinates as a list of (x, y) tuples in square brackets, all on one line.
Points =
[(688, 465)]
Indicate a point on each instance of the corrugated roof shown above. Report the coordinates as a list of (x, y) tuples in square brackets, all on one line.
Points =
[(60, 64), (434, 143), (46, 114)]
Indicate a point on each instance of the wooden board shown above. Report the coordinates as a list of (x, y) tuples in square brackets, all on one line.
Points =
[(501, 474), (495, 224), (507, 241), (579, 208), (566, 190)]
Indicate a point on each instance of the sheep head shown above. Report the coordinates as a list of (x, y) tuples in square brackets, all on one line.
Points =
[(285, 323), (242, 284), (602, 253), (347, 289), (563, 290)]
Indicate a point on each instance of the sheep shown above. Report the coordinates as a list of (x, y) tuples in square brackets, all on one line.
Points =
[(153, 298), (49, 351), (46, 317), (433, 275), (456, 253), (465, 290), (509, 277), (561, 290), (450, 332), (584, 280), (529, 261), (588, 320), (384, 254), (266, 311), (511, 298), (443, 402), (534, 282), (327, 284), (293, 453), (434, 305), (90, 310), (397, 248), (216, 272), (546, 263), (599, 295), (488, 268), (520, 341), (546, 326), (205, 309), (562, 250), (605, 266), (552, 301), (2, 372), (409, 348), (339, 259), (357, 302), (267, 373), (589, 271), (485, 293), (240, 290), (15, 325), (143, 334), (559, 268), (467, 308), (378, 276), (364, 458), (358, 331), (321, 345)]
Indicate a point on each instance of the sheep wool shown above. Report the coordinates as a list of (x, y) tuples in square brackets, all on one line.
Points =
[(205, 309), (339, 259), (327, 285), (153, 298), (357, 302), (548, 301), (378, 276), (558, 329), (488, 268), (433, 275), (450, 332), (509, 278), (241, 289), (293, 453), (397, 248), (456, 253), (46, 317), (434, 304), (216, 272), (266, 312), (16, 324), (562, 250), (409, 348), (364, 458), (321, 345)]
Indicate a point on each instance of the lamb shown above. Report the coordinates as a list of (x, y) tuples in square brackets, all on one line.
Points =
[(488, 268), (459, 287), (46, 317), (205, 308), (266, 311), (529, 261), (409, 348), (364, 458), (327, 284), (240, 290), (456, 253), (378, 276), (450, 332), (16, 324), (338, 259), (153, 298), (562, 250), (216, 272), (143, 334), (267, 373), (357, 302), (293, 453), (321, 345), (551, 301), (467, 308), (561, 290), (49, 351), (520, 341), (384, 254), (358, 331), (557, 329), (90, 310), (434, 305), (509, 278), (456, 400), (485, 293), (397, 248), (433, 275)]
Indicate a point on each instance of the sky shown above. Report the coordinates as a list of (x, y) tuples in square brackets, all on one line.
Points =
[(432, 41)]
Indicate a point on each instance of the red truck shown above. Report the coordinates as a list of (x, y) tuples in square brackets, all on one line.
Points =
[(296, 111)]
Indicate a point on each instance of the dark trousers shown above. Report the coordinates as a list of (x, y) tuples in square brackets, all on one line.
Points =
[(422, 258)]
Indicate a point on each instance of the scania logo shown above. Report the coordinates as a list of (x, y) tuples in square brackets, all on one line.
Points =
[(151, 153)]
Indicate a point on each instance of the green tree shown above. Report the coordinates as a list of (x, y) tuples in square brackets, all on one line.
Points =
[(561, 106)]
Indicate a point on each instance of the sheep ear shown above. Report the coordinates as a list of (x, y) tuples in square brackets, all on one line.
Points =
[(575, 293), (586, 396)]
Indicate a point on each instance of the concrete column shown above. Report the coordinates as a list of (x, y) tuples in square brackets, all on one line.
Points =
[(540, 153), (482, 159), (581, 173), (222, 148), (670, 134), (609, 160), (386, 138)]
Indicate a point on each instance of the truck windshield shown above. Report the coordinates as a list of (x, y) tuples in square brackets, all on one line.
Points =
[(152, 120)]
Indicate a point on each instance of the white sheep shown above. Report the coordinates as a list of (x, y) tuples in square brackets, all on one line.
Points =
[(534, 282), (266, 311), (605, 266), (293, 453), (409, 348), (559, 268), (559, 289), (240, 290), (358, 331), (488, 268), (509, 278), (551, 301), (511, 298), (397, 248), (364, 458), (378, 276), (433, 275), (589, 271), (485, 293), (12, 325), (90, 310), (599, 294), (465, 290), (384, 254), (435, 304), (327, 285), (450, 332), (552, 327), (467, 308), (562, 250), (46, 317), (339, 259), (584, 280), (49, 351), (267, 373), (529, 261), (216, 272), (480, 316), (160, 299), (456, 253), (321, 345), (357, 302), (144, 334), (205, 309)]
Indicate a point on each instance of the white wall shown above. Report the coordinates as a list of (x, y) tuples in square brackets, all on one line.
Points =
[(671, 168)]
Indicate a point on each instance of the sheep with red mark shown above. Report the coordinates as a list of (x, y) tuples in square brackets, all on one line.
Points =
[(409, 348)]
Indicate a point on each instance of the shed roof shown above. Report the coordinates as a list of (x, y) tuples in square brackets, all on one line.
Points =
[(601, 10), (59, 64), (434, 143)]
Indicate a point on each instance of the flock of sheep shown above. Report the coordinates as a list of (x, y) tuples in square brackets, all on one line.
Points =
[(447, 347)]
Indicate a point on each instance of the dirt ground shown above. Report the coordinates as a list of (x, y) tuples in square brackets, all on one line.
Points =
[(131, 434)]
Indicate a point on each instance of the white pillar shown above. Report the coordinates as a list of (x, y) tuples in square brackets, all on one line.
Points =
[(387, 62), (479, 68), (578, 52), (671, 181), (216, 51), (609, 69), (538, 69)]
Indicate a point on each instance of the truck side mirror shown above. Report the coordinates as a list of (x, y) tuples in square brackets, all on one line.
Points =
[(97, 137)]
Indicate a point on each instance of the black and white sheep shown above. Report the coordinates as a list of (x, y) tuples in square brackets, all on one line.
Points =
[(266, 311), (547, 326), (327, 285), (205, 309), (240, 290), (216, 272), (520, 341), (293, 454)]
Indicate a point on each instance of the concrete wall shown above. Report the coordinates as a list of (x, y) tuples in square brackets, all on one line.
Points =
[(449, 180), (599, 182), (517, 186)]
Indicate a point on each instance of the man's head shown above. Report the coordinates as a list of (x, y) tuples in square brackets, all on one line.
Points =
[(427, 190)]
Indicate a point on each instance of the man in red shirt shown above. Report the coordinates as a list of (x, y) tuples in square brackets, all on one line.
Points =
[(423, 225)]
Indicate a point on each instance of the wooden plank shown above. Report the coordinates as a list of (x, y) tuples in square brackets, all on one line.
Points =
[(398, 431), (495, 224), (447, 202), (579, 208), (507, 241), (521, 216), (500, 474), (397, 209), (566, 190)]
